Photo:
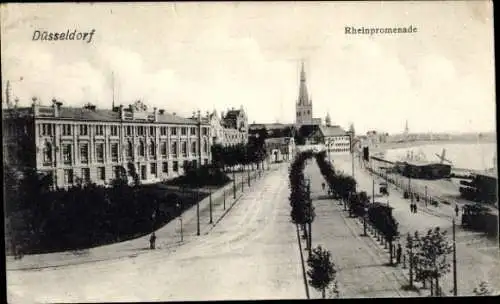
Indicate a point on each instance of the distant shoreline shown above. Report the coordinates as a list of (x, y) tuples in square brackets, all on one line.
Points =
[(394, 145)]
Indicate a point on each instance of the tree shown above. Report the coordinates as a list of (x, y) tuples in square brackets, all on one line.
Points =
[(133, 172), (321, 270), (434, 251), (482, 290)]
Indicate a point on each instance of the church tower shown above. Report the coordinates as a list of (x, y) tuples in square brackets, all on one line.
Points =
[(304, 104)]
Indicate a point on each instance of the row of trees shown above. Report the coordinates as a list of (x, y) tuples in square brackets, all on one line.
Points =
[(302, 209), (428, 258), (321, 269), (40, 220), (253, 153), (343, 187)]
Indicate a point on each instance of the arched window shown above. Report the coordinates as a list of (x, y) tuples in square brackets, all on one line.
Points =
[(47, 153), (205, 146), (174, 149), (141, 148), (184, 148), (193, 147), (152, 148), (130, 149)]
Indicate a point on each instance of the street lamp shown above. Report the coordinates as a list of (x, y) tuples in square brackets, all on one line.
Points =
[(179, 206), (364, 221), (454, 261)]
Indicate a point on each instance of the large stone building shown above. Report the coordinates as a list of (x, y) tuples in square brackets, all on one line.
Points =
[(229, 129), (92, 145)]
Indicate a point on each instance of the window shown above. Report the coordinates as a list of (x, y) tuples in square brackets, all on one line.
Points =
[(101, 173), (46, 130), (99, 130), (298, 114), (151, 131), (163, 130), (205, 161), (114, 152), (205, 131), (152, 148), (174, 149), (153, 169), (47, 154), (184, 148), (130, 150), (99, 152), (194, 163), (175, 166), (140, 130), (193, 147), (165, 167), (86, 174), (114, 131), (143, 172), (173, 131), (129, 131), (141, 148), (205, 146), (163, 149), (66, 150), (66, 130), (84, 153), (84, 130), (185, 165), (193, 131), (68, 176), (183, 131)]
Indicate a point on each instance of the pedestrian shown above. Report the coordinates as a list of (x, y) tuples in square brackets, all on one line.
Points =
[(411, 207), (323, 186), (398, 254), (152, 241), (456, 210), (415, 208)]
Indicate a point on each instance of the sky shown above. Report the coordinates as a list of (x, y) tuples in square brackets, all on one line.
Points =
[(204, 56)]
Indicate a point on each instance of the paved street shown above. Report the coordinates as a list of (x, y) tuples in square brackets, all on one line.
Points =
[(362, 272), (478, 257), (251, 254)]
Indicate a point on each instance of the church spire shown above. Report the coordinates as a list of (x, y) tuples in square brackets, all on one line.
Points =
[(303, 96)]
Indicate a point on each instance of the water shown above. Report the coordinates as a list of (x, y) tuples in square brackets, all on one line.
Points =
[(470, 156)]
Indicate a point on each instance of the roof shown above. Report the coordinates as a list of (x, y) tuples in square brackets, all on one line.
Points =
[(332, 131), (277, 140), (270, 126), (417, 163)]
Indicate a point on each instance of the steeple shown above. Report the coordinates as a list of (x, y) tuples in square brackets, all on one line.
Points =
[(328, 120), (303, 96)]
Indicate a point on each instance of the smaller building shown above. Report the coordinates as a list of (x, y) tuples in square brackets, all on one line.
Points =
[(280, 148), (423, 170), (335, 139)]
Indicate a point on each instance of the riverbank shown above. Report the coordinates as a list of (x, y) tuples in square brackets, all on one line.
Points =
[(398, 145)]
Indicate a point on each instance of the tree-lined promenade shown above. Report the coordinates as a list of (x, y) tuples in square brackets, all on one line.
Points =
[(425, 258)]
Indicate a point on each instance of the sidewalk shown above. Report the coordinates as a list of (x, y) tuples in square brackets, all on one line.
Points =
[(168, 237), (478, 258), (360, 262)]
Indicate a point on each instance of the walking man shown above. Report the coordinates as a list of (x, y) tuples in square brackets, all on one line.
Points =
[(323, 186), (398, 254), (152, 241), (415, 208), (456, 210)]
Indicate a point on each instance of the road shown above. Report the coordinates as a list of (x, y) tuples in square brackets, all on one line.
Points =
[(478, 257), (251, 254)]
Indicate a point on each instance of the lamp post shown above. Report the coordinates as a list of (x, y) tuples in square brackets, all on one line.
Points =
[(310, 214), (234, 185), (373, 190), (210, 201), (454, 261), (364, 221), (179, 206), (197, 212)]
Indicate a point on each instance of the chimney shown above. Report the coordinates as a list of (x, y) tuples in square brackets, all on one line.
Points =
[(155, 113), (55, 106), (122, 112)]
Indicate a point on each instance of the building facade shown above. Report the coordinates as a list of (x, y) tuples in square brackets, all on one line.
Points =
[(93, 145), (230, 129)]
